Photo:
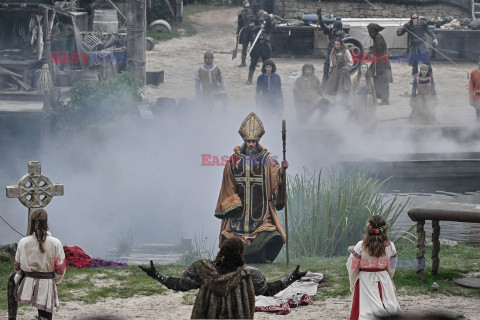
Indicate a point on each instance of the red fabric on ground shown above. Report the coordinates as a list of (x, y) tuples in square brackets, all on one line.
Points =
[(355, 313), (76, 258), (285, 307)]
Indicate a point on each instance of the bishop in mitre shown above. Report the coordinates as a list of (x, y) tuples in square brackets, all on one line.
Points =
[(253, 189)]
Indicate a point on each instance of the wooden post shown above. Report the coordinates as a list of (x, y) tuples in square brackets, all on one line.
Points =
[(421, 250), (136, 50), (435, 246), (47, 51)]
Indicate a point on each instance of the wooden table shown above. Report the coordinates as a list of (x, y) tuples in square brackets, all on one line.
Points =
[(436, 211)]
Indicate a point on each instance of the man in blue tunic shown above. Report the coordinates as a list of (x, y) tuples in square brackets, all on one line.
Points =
[(269, 96)]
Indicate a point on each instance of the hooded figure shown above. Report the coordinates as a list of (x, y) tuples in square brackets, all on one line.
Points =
[(209, 82), (380, 68), (307, 93), (253, 189)]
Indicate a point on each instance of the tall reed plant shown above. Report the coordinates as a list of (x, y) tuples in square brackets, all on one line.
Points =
[(328, 214)]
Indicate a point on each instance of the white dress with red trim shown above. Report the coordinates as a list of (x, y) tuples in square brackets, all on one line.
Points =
[(41, 293), (371, 283)]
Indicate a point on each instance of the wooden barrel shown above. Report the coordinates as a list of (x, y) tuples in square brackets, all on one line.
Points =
[(105, 21)]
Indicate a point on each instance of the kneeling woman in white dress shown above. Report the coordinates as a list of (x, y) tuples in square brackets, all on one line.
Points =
[(371, 266), (39, 264)]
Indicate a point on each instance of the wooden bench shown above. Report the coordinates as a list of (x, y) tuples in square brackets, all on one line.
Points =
[(436, 211)]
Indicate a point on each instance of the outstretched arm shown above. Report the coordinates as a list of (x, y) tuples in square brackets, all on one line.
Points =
[(262, 287), (275, 287), (188, 281)]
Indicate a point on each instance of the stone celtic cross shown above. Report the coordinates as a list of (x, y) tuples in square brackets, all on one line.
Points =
[(34, 190)]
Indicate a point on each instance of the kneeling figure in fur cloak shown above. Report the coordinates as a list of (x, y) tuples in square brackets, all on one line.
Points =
[(227, 286)]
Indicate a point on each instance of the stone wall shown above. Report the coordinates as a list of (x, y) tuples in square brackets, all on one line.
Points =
[(356, 9)]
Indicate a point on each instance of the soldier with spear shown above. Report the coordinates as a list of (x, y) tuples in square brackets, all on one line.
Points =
[(253, 189)]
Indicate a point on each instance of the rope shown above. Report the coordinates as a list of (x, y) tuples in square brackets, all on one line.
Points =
[(11, 227), (427, 44)]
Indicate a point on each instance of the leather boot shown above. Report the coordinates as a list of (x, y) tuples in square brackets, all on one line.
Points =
[(250, 76), (243, 64)]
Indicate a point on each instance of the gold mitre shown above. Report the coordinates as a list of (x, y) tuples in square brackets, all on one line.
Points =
[(251, 128)]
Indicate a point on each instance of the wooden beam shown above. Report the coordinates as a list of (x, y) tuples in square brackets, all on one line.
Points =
[(136, 50)]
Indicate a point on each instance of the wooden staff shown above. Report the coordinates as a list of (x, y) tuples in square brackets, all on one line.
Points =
[(284, 139)]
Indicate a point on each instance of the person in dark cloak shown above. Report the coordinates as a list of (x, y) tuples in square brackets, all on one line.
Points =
[(380, 68), (246, 21), (333, 33), (261, 47), (418, 50), (227, 286), (269, 95)]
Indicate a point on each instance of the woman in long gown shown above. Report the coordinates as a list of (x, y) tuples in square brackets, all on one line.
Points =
[(363, 99), (371, 266), (339, 83), (424, 99)]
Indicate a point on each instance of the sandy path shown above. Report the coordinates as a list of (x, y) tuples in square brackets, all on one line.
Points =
[(170, 306)]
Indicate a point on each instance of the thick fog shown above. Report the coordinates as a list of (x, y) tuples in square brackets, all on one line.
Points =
[(147, 175)]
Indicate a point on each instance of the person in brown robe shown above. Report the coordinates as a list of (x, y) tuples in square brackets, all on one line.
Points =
[(209, 85), (474, 89), (380, 68), (339, 83), (253, 188), (307, 93)]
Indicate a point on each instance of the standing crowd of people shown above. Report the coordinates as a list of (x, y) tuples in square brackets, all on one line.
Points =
[(361, 92)]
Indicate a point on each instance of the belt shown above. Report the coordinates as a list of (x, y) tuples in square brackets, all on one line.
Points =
[(476, 93), (40, 275), (372, 270)]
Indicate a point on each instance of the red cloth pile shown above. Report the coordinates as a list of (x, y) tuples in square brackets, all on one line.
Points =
[(302, 299), (76, 258)]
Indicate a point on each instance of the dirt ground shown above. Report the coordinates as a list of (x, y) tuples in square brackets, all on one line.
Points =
[(170, 306), (180, 58)]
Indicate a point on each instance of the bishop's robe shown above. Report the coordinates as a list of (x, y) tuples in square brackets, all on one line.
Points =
[(252, 190)]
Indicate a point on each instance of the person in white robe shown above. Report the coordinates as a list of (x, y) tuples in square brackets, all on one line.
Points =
[(371, 269), (40, 267)]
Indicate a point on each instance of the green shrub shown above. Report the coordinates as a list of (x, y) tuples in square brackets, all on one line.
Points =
[(92, 103), (328, 214), (6, 257)]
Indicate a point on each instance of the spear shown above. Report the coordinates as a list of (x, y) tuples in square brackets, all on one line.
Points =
[(284, 140)]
